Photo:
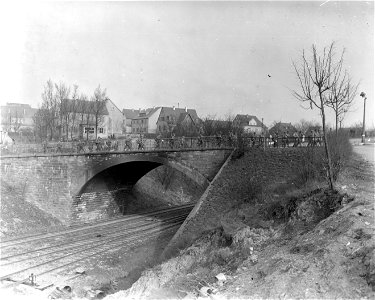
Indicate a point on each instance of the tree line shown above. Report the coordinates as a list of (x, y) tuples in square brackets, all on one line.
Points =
[(64, 107)]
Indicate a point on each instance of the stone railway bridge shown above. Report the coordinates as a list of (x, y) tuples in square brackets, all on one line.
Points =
[(53, 182)]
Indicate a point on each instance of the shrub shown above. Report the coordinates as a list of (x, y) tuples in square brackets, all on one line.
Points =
[(340, 150), (311, 166)]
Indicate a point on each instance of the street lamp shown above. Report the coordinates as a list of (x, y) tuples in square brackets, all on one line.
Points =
[(363, 95)]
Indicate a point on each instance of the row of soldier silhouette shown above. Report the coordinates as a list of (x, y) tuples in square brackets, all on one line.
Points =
[(297, 139)]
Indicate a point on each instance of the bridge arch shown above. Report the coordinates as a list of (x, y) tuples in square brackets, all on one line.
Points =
[(146, 162)]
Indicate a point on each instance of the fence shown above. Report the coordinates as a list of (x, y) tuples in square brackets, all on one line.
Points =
[(124, 145)]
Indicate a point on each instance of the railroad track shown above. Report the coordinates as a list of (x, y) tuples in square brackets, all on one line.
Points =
[(51, 253)]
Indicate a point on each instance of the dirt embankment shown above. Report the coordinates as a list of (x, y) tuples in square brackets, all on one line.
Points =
[(21, 217), (304, 244)]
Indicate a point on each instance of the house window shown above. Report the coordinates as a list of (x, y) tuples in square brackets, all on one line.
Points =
[(101, 130), (89, 130)]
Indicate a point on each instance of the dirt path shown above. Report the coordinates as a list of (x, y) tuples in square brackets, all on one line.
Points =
[(367, 151)]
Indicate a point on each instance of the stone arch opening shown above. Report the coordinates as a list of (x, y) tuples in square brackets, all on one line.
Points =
[(118, 187)]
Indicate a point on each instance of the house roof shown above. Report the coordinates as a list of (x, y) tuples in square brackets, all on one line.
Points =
[(146, 113), (176, 112), (283, 127), (130, 113), (81, 106), (184, 115), (243, 120), (17, 110), (114, 105)]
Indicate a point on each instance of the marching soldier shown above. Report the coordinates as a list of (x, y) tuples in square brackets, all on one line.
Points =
[(128, 144), (140, 143)]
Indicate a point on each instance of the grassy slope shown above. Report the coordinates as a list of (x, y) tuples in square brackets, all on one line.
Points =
[(298, 256)]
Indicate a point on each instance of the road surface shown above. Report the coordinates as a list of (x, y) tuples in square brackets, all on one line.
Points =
[(366, 151)]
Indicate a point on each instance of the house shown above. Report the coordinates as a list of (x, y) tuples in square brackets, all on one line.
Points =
[(249, 124), (128, 115), (316, 128), (280, 128), (82, 119), (181, 121), (145, 121), (17, 117)]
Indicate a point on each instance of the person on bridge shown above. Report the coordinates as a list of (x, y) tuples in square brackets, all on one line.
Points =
[(140, 142), (99, 144), (218, 139), (276, 140), (200, 141), (311, 139), (115, 144), (80, 146), (59, 146), (128, 144), (172, 141), (45, 146), (90, 146), (158, 141), (183, 143), (318, 137), (108, 145)]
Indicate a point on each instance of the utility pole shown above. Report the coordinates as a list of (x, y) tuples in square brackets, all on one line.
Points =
[(363, 95)]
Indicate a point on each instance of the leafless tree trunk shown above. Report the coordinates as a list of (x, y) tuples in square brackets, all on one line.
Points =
[(72, 114), (317, 77), (49, 107), (62, 93), (98, 105)]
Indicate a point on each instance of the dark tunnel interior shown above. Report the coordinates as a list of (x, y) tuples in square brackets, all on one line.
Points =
[(119, 176)]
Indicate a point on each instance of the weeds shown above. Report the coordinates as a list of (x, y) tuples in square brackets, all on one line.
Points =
[(341, 150)]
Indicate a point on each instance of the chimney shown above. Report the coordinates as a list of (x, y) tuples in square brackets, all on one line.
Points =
[(174, 107), (185, 109)]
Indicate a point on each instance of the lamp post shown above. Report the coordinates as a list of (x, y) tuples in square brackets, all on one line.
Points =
[(363, 95)]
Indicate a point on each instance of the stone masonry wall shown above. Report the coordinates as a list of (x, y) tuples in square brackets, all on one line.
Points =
[(95, 206)]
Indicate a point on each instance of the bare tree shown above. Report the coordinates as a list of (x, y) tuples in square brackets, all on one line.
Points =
[(73, 110), (98, 106), (40, 119), (303, 125), (341, 96), (317, 78), (62, 93), (85, 108), (49, 105)]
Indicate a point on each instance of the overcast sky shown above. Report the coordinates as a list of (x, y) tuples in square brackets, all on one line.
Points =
[(216, 57)]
